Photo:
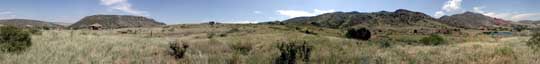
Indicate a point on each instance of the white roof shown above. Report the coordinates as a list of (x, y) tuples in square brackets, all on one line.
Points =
[(96, 24)]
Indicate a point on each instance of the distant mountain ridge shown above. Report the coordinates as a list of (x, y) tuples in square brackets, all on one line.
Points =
[(529, 21), (398, 19), (116, 21), (23, 23), (473, 20), (63, 23)]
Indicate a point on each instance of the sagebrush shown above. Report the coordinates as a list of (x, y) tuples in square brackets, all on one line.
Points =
[(14, 39), (433, 40)]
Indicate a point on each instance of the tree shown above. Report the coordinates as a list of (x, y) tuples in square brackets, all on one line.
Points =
[(361, 34)]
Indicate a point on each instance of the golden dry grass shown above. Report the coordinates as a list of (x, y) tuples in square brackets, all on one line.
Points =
[(108, 46)]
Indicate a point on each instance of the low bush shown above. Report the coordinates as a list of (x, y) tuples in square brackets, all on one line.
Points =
[(13, 39), (504, 51), (362, 34), (534, 42), (433, 40), (34, 31), (242, 48), (291, 51), (178, 49)]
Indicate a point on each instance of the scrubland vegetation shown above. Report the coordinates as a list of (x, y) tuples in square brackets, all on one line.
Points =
[(265, 44), (13, 39)]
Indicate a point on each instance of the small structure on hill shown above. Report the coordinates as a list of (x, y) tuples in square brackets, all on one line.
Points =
[(212, 23), (28, 26), (95, 26)]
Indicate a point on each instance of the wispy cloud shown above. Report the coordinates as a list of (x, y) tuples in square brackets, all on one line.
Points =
[(508, 16), (4, 14), (300, 13), (257, 12), (124, 6), (450, 7)]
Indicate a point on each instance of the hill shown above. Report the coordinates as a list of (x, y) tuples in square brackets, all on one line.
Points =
[(24, 23), (529, 22), (116, 21), (63, 23), (398, 19), (471, 20)]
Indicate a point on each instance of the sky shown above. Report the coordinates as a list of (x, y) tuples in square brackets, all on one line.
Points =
[(252, 11)]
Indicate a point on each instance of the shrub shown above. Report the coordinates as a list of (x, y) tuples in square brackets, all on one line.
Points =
[(178, 49), (242, 48), (211, 34), (290, 52), (362, 34), (519, 28), (13, 39), (433, 40), (534, 42), (309, 32), (504, 51), (34, 31)]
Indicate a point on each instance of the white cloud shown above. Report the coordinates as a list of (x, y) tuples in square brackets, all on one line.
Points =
[(439, 13), (6, 14), (450, 7), (123, 5), (257, 12), (508, 16), (526, 16), (300, 13)]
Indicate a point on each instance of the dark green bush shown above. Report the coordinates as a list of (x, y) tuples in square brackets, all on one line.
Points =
[(34, 31), (534, 42), (13, 39), (178, 49), (362, 34), (290, 52), (433, 40)]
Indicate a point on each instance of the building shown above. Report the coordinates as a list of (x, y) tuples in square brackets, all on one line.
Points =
[(95, 26)]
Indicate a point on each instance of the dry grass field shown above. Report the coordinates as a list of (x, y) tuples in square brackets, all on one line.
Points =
[(256, 44)]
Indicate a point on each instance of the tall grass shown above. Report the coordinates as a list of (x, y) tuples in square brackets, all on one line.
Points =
[(251, 45), (61, 47)]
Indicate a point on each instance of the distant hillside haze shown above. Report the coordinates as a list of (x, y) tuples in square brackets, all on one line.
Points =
[(116, 21), (22, 23), (63, 23), (529, 21), (473, 20), (398, 18)]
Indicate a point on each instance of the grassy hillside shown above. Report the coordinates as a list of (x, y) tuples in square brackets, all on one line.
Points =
[(260, 44)]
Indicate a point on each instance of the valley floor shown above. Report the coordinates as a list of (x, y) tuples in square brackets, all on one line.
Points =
[(107, 46)]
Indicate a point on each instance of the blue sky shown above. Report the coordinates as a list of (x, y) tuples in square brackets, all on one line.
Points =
[(243, 11)]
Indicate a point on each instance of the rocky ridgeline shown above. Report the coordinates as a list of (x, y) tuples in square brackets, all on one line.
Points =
[(116, 21), (26, 23), (471, 20), (398, 18)]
